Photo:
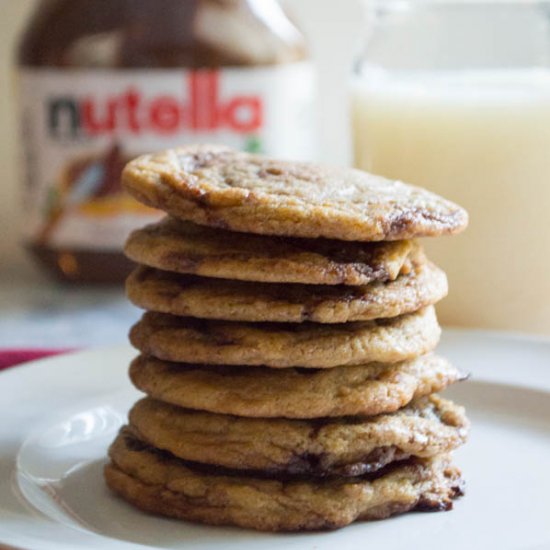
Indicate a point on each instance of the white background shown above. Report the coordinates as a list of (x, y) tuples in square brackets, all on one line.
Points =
[(333, 27)]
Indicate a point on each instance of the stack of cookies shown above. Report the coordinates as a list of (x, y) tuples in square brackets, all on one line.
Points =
[(287, 347)]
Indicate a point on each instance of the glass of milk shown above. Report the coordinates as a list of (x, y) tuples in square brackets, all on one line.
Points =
[(454, 95)]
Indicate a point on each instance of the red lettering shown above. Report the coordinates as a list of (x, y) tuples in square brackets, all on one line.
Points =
[(212, 100), (131, 101), (194, 95), (92, 122), (164, 115), (203, 110), (244, 114)]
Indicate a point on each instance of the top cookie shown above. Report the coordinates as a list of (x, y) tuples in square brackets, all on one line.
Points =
[(220, 187)]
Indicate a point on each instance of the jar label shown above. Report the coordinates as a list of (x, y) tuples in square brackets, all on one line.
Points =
[(80, 127)]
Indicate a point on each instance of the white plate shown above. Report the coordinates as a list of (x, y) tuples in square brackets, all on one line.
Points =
[(58, 416)]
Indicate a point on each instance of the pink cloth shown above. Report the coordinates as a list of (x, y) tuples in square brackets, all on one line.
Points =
[(13, 357)]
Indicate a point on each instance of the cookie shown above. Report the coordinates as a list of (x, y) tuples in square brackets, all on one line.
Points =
[(188, 295), (309, 345), (349, 446), (157, 482), (185, 247), (220, 187), (293, 393)]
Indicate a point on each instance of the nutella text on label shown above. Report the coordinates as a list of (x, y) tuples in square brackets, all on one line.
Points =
[(197, 106)]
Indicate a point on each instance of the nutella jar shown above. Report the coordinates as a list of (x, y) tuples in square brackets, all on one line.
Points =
[(102, 81)]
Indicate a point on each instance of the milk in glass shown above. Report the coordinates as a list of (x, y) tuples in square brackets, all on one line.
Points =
[(482, 139)]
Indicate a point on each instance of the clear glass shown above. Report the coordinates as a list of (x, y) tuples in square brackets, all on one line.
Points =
[(455, 96)]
